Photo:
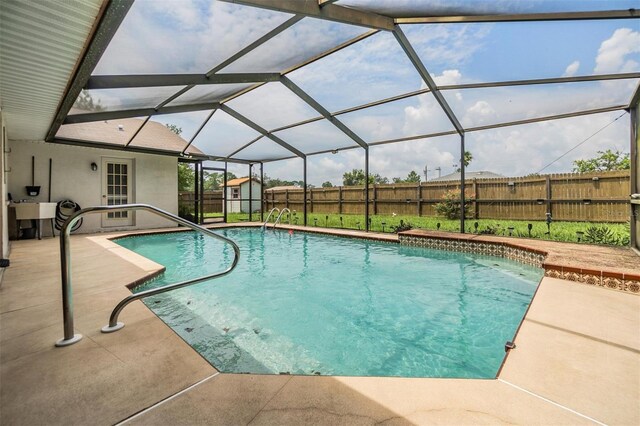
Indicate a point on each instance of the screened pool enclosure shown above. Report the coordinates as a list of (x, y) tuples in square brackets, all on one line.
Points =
[(258, 81)]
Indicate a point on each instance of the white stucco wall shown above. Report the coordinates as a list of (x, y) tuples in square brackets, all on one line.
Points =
[(155, 179)]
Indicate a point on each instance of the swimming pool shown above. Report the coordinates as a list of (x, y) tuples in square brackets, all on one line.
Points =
[(313, 304)]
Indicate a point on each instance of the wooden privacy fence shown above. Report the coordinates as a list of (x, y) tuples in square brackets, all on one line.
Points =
[(212, 200), (592, 197)]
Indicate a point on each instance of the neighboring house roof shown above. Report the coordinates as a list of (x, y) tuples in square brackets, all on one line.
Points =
[(282, 188), (240, 181), (118, 132), (468, 175)]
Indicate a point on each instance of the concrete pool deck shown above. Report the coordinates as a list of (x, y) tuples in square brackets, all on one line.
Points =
[(577, 359)]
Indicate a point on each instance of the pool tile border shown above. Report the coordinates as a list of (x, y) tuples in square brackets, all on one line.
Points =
[(518, 254), (626, 283), (610, 280)]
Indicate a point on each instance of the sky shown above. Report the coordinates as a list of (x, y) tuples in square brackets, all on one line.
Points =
[(193, 36)]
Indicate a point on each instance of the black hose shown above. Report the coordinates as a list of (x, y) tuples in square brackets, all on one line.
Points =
[(64, 209)]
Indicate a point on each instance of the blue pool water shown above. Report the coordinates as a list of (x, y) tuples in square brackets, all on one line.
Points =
[(313, 304)]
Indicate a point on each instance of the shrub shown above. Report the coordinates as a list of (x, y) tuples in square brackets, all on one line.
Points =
[(402, 227), (449, 207), (601, 235), (184, 211)]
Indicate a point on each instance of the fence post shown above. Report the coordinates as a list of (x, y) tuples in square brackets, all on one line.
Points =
[(311, 199), (475, 198), (419, 207), (339, 200), (286, 198), (548, 185), (375, 199)]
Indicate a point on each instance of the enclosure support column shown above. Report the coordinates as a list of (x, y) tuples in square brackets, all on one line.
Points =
[(224, 193), (366, 189), (635, 176), (261, 192), (462, 197), (304, 192), (196, 192), (201, 193), (250, 193)]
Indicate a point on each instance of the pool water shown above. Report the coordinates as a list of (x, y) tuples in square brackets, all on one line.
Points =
[(312, 304)]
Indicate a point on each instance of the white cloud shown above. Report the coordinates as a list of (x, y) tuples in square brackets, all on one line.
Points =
[(613, 53), (446, 46), (571, 69), (448, 78)]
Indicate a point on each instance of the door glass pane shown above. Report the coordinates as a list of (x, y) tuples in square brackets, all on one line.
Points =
[(117, 188)]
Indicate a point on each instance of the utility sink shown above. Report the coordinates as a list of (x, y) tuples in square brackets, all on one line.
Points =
[(35, 210)]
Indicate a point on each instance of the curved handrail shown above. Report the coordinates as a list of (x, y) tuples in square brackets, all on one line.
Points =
[(65, 259), (280, 216), (264, 225)]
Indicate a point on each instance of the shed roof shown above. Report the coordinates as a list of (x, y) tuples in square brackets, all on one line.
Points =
[(240, 181)]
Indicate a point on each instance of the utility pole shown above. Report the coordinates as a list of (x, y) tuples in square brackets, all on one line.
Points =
[(426, 172), (439, 169)]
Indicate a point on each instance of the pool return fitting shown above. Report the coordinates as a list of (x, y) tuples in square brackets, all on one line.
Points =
[(65, 260)]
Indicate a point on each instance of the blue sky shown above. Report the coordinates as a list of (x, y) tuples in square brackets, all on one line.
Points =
[(165, 36)]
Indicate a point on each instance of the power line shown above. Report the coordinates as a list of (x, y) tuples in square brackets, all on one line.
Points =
[(598, 131)]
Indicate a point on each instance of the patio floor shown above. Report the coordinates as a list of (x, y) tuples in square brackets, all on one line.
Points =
[(577, 360)]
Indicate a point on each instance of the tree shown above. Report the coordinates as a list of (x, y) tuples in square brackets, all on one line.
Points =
[(467, 159), (175, 129), (186, 178), (212, 181), (327, 184), (86, 103), (606, 160), (412, 177), (357, 177)]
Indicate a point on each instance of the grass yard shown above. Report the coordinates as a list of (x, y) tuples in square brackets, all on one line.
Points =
[(594, 233)]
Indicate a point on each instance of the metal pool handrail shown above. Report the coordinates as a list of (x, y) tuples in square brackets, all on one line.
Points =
[(65, 260), (280, 216), (264, 225)]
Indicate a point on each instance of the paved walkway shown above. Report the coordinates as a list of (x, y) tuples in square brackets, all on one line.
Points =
[(577, 361)]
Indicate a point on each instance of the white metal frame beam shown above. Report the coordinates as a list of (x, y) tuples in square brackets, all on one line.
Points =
[(261, 130), (426, 77), (157, 80), (521, 17), (330, 12), (319, 108)]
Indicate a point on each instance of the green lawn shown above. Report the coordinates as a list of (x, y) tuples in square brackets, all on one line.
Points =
[(617, 234)]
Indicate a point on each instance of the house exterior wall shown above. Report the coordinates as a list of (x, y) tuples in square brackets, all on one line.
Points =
[(155, 180)]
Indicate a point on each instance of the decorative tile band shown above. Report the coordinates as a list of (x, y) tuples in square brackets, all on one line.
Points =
[(478, 247), (612, 281)]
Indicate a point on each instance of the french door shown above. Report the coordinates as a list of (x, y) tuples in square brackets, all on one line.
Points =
[(117, 184)]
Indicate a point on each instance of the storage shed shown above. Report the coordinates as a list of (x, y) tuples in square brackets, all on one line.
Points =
[(243, 196)]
